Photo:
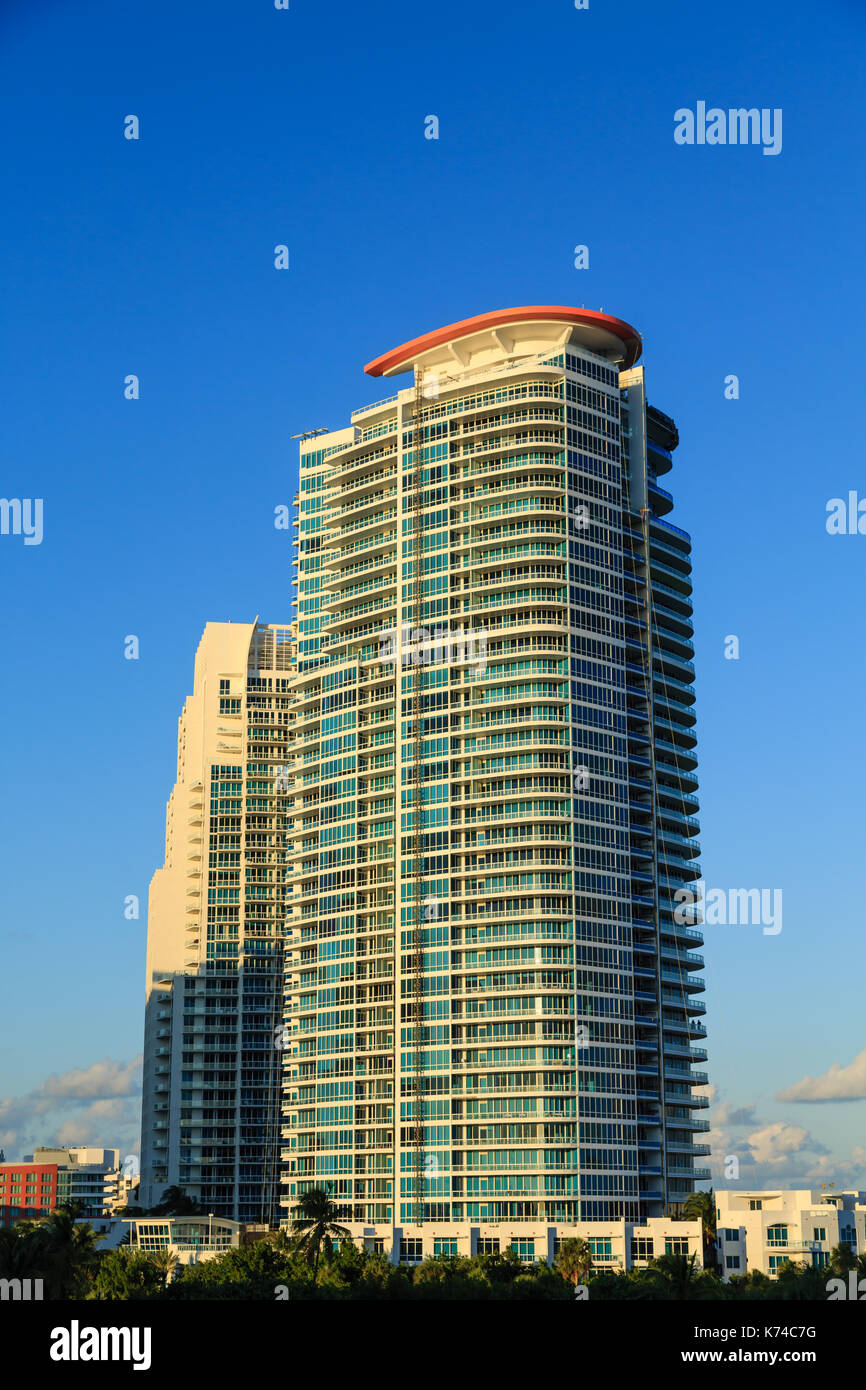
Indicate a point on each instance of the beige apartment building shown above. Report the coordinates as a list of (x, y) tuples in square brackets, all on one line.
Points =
[(210, 1115)]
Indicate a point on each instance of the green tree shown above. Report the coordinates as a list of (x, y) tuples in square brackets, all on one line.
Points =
[(753, 1285), (540, 1282), (22, 1251), (68, 1253), (701, 1206), (76, 1208), (683, 1280), (315, 1227), (126, 1275), (176, 1203), (245, 1272), (573, 1260), (443, 1277), (165, 1261), (842, 1258), (608, 1285), (798, 1281)]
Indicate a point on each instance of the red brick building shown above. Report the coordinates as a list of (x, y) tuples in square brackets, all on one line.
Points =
[(27, 1191)]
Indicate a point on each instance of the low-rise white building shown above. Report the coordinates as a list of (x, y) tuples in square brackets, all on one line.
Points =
[(763, 1229), (616, 1245), (191, 1238)]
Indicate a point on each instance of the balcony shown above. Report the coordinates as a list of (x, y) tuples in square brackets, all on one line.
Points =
[(662, 500)]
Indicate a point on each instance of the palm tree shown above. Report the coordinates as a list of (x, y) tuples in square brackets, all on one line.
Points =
[(573, 1260), (22, 1251), (842, 1258), (166, 1262), (176, 1203), (76, 1208), (70, 1253), (701, 1206), (315, 1227), (683, 1278)]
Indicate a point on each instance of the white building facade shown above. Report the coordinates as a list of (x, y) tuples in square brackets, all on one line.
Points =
[(764, 1229), (614, 1245)]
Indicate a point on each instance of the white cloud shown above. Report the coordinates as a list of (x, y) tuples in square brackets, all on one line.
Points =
[(101, 1117), (99, 1105), (775, 1143), (94, 1082), (775, 1154), (839, 1083), (731, 1115)]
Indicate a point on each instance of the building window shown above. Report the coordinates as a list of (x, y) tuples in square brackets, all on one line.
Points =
[(445, 1245), (523, 1249), (777, 1235), (755, 1204), (488, 1245), (411, 1252), (676, 1245), (732, 1262), (641, 1247), (776, 1262), (819, 1233), (600, 1248)]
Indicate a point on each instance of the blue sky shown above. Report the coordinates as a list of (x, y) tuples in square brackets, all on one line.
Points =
[(155, 257)]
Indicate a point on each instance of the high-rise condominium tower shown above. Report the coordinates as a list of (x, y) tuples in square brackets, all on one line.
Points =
[(210, 1118), (492, 1007)]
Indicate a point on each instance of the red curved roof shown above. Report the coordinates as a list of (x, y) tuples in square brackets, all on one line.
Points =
[(407, 353)]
